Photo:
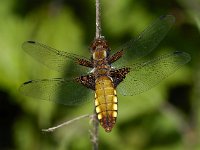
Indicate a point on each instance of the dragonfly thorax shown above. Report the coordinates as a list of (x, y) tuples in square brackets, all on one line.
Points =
[(100, 55)]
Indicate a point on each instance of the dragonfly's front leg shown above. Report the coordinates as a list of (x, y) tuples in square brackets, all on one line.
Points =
[(115, 56)]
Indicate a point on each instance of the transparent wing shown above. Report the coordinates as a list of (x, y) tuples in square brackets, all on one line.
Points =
[(145, 42), (62, 91), (54, 59), (143, 76)]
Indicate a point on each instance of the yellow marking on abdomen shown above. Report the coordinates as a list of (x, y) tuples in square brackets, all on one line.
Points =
[(114, 114), (106, 102)]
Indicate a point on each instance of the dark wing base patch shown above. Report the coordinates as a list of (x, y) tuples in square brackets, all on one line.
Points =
[(119, 75)]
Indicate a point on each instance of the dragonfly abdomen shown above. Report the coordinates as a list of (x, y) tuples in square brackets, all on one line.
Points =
[(105, 102)]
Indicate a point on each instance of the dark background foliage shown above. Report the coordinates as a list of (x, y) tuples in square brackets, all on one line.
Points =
[(166, 117)]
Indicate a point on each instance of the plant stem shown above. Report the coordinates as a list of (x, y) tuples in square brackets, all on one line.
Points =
[(98, 19), (95, 132), (65, 123)]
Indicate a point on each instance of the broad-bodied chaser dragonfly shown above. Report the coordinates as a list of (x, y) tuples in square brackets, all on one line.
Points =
[(104, 73)]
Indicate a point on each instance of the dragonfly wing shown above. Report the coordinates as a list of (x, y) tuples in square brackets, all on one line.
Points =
[(147, 41), (54, 59), (67, 92), (143, 76)]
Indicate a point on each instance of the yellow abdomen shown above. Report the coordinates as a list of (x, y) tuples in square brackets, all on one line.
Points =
[(105, 102)]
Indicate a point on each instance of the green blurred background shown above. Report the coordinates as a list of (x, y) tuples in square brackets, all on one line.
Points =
[(164, 118)]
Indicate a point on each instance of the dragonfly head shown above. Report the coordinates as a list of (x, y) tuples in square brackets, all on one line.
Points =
[(99, 49), (98, 44)]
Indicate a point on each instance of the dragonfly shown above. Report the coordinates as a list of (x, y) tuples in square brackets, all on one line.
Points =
[(105, 73)]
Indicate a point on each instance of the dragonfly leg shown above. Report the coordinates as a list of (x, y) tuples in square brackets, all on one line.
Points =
[(85, 63), (115, 57)]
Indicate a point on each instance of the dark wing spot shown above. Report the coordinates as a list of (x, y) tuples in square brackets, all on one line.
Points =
[(28, 82), (31, 42)]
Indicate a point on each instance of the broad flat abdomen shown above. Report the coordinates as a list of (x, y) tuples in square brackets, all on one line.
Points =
[(105, 102)]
